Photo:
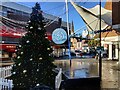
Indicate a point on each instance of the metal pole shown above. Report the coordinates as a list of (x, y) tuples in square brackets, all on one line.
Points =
[(100, 59), (69, 49)]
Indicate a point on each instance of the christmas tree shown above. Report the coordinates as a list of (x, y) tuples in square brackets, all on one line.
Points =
[(33, 65)]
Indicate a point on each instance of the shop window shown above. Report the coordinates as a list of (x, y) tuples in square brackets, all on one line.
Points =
[(11, 10), (25, 14), (18, 12)]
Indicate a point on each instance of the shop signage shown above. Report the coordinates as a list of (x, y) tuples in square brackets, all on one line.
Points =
[(59, 36)]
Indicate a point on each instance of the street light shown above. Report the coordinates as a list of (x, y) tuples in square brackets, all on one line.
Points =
[(100, 59), (69, 49)]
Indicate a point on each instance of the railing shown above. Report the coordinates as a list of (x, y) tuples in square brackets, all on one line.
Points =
[(5, 71), (58, 80), (6, 84)]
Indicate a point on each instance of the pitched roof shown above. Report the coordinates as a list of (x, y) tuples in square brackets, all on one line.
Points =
[(111, 33)]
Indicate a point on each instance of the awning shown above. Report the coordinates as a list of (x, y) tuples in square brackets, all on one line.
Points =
[(91, 17), (10, 32), (8, 47)]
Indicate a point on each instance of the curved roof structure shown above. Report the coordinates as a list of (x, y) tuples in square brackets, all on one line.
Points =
[(91, 17)]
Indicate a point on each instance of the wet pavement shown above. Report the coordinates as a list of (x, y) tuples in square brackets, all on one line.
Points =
[(78, 69), (83, 68), (110, 75), (87, 68)]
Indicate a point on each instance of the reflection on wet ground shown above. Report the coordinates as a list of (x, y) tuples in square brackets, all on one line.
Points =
[(110, 75), (78, 68), (89, 68)]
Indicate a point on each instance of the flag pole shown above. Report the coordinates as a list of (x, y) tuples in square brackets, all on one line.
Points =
[(69, 49)]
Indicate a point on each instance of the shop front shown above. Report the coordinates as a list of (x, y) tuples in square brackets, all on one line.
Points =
[(7, 50), (110, 42)]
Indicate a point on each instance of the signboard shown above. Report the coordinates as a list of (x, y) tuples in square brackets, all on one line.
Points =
[(84, 33), (59, 36)]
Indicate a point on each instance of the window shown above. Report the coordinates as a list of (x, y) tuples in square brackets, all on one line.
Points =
[(18, 12), (25, 14), (11, 10), (0, 8)]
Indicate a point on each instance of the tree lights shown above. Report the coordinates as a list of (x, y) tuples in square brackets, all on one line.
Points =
[(33, 64)]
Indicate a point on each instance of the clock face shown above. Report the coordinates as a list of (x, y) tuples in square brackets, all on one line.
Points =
[(59, 36)]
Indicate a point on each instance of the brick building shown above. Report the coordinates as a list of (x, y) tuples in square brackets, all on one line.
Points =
[(111, 39), (110, 25)]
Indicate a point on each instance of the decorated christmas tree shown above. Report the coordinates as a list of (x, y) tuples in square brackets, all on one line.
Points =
[(33, 65)]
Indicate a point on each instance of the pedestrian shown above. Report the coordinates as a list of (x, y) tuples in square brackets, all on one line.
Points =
[(97, 56)]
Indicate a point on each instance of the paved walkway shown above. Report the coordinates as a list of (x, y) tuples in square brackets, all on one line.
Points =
[(110, 75)]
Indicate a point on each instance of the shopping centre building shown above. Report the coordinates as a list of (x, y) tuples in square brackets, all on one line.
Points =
[(14, 18)]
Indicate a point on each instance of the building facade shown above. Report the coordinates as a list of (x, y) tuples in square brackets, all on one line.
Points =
[(111, 39), (14, 18), (110, 25)]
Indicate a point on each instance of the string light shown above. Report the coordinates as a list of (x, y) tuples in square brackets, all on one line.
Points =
[(18, 57), (19, 45), (23, 34), (24, 71), (15, 50), (27, 41), (48, 48), (40, 58), (46, 37), (14, 31), (31, 59), (19, 64), (14, 72), (39, 28), (29, 21), (20, 22), (21, 52), (37, 84), (49, 23), (27, 26), (31, 27), (37, 70)]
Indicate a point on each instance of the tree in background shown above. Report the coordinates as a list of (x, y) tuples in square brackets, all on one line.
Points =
[(93, 43), (33, 65)]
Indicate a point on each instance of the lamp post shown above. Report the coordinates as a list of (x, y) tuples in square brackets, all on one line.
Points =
[(69, 49), (100, 59)]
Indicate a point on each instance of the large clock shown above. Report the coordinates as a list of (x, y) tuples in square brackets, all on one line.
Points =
[(59, 36)]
